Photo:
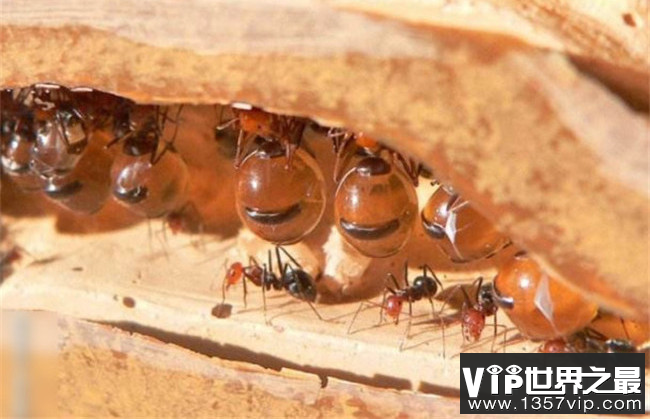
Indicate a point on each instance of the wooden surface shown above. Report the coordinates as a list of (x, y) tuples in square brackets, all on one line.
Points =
[(57, 366), (557, 160), (105, 372)]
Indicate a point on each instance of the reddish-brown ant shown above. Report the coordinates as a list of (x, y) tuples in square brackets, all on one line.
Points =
[(539, 305), (279, 204), (459, 230), (395, 296), (253, 122), (291, 277), (475, 311), (424, 286), (373, 189)]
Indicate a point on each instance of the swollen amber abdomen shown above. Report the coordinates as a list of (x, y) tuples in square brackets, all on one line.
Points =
[(278, 202), (460, 231), (541, 306)]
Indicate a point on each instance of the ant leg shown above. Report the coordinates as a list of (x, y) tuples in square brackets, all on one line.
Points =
[(354, 318), (627, 335), (407, 334), (150, 235), (243, 280), (342, 157), (118, 139), (479, 283), (406, 274), (243, 139), (392, 278), (383, 304), (314, 310), (266, 320), (161, 236), (433, 307), (223, 283), (295, 262)]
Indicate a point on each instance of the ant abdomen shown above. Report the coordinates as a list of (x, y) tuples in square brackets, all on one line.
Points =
[(540, 305), (280, 203), (460, 231), (149, 177), (87, 187), (150, 189), (299, 284), (375, 206)]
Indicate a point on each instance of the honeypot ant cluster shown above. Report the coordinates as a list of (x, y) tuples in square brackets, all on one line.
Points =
[(61, 142)]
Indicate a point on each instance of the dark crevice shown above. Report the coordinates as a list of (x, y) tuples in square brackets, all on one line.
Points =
[(241, 354), (628, 84)]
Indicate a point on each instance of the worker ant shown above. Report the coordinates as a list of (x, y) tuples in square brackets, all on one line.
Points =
[(425, 286), (290, 276)]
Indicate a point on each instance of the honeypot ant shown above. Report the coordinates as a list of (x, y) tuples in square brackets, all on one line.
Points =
[(280, 204), (292, 278), (372, 189), (540, 306), (148, 180), (18, 138), (253, 122), (459, 230), (65, 119)]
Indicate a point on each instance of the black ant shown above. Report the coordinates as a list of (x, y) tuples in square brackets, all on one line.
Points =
[(292, 278), (598, 342), (424, 286)]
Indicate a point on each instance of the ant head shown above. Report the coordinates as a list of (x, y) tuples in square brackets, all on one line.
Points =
[(234, 273), (367, 142), (620, 346), (485, 299), (144, 140), (254, 120), (393, 305)]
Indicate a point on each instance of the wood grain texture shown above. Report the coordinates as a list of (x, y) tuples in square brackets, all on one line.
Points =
[(610, 31), (102, 371), (558, 161)]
